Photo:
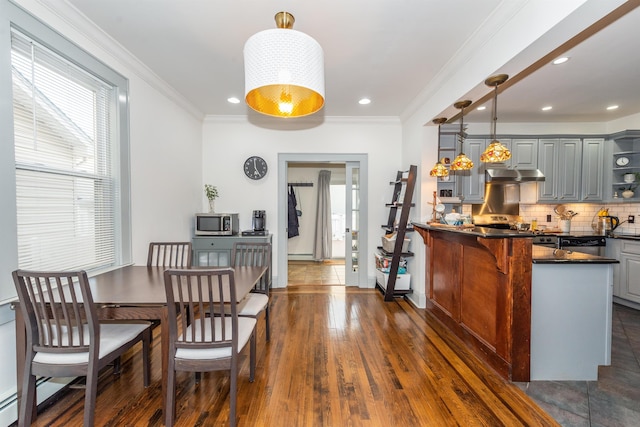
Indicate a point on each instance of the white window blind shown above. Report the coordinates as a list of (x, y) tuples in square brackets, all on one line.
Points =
[(65, 126)]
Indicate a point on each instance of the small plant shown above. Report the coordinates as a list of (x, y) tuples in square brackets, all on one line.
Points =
[(631, 186), (211, 191)]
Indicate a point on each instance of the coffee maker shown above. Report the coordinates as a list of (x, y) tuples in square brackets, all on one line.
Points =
[(259, 221)]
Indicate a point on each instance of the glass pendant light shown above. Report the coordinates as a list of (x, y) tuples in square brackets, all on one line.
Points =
[(439, 170), (496, 152), (461, 162)]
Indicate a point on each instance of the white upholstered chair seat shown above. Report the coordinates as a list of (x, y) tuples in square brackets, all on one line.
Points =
[(246, 326), (112, 336), (253, 304)]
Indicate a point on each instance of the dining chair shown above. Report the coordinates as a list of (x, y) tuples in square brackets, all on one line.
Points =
[(64, 337), (205, 331), (169, 254), (257, 301)]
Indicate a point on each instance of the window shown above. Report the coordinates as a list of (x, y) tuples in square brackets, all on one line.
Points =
[(67, 144)]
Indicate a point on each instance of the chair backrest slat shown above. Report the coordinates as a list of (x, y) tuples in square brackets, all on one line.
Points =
[(58, 310), (169, 254), (256, 254), (196, 301)]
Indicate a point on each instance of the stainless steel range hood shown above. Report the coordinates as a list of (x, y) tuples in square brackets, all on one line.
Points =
[(513, 175)]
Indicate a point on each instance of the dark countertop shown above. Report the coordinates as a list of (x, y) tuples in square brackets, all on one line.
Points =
[(625, 236), (545, 255), (540, 255), (476, 231)]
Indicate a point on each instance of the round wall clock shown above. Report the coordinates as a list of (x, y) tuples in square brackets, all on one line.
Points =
[(255, 167), (622, 161)]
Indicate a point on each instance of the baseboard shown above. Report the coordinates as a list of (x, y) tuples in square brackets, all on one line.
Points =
[(47, 387)]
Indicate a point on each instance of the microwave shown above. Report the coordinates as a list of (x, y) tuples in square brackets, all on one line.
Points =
[(216, 224)]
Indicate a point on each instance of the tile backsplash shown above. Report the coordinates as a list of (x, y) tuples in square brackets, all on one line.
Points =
[(586, 215)]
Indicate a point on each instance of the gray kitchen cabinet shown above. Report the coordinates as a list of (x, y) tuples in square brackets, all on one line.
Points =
[(628, 285), (215, 251), (626, 159), (592, 174), (472, 182), (524, 154), (560, 160)]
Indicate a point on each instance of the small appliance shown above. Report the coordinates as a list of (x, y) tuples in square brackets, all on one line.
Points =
[(259, 222), (216, 224)]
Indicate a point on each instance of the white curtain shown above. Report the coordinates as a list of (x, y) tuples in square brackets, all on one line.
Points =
[(322, 244)]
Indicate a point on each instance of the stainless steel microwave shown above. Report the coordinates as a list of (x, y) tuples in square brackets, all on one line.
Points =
[(216, 224)]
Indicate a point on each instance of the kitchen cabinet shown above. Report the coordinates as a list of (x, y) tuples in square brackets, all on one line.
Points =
[(471, 182), (524, 153), (626, 284), (215, 251), (592, 174), (449, 190), (560, 160), (626, 146)]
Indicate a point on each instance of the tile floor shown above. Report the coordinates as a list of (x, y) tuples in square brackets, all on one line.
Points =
[(316, 272), (613, 400)]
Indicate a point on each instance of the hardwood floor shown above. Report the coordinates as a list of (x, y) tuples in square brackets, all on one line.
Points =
[(338, 356)]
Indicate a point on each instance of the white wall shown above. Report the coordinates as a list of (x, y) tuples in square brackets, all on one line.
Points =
[(166, 174), (307, 198), (228, 142)]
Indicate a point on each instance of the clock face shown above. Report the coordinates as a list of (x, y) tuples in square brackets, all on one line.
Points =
[(622, 161), (255, 167)]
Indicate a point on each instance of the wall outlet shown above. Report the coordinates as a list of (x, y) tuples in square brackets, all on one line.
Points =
[(548, 218), (631, 219)]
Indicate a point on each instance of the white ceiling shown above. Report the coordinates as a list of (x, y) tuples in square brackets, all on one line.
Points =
[(386, 50)]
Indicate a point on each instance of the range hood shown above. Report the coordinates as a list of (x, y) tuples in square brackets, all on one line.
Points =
[(513, 175)]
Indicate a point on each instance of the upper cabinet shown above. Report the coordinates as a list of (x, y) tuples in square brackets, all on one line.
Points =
[(626, 159), (471, 182), (524, 154), (592, 169), (559, 159)]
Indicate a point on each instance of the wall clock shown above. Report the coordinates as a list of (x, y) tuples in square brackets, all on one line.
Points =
[(622, 161), (255, 167)]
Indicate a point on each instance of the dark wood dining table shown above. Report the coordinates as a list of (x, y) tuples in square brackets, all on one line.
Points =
[(134, 293)]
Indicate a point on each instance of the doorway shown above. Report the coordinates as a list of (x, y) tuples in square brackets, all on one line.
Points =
[(347, 217)]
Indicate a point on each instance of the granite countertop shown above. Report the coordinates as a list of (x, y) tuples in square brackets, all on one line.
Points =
[(625, 236), (475, 231), (545, 255)]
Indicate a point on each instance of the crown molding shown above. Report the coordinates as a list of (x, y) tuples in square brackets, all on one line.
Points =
[(96, 38)]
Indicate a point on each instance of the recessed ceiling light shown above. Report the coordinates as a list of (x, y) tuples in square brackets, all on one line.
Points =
[(612, 107), (561, 60), (233, 100), (547, 108), (364, 101), (481, 108)]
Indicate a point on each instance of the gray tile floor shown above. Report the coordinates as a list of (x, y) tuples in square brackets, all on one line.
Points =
[(613, 400)]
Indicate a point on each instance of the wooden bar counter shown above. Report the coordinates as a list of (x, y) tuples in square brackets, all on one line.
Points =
[(478, 283)]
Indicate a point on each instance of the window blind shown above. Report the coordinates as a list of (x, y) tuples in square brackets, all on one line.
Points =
[(66, 170)]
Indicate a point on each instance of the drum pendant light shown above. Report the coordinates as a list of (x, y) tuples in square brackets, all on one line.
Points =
[(461, 162), (439, 170), (283, 71), (496, 152)]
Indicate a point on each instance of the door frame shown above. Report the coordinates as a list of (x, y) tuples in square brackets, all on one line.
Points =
[(283, 163)]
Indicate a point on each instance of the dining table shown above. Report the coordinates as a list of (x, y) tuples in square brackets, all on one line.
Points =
[(135, 293)]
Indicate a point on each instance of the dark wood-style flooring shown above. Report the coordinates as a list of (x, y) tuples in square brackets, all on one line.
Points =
[(337, 357)]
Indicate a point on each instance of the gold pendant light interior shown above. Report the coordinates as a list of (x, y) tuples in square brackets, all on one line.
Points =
[(496, 152), (439, 170), (461, 162)]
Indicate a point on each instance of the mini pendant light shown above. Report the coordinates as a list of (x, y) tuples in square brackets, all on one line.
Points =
[(283, 71), (461, 162), (496, 152), (439, 170)]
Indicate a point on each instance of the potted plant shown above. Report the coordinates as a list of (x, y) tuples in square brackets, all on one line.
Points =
[(212, 194), (629, 188)]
